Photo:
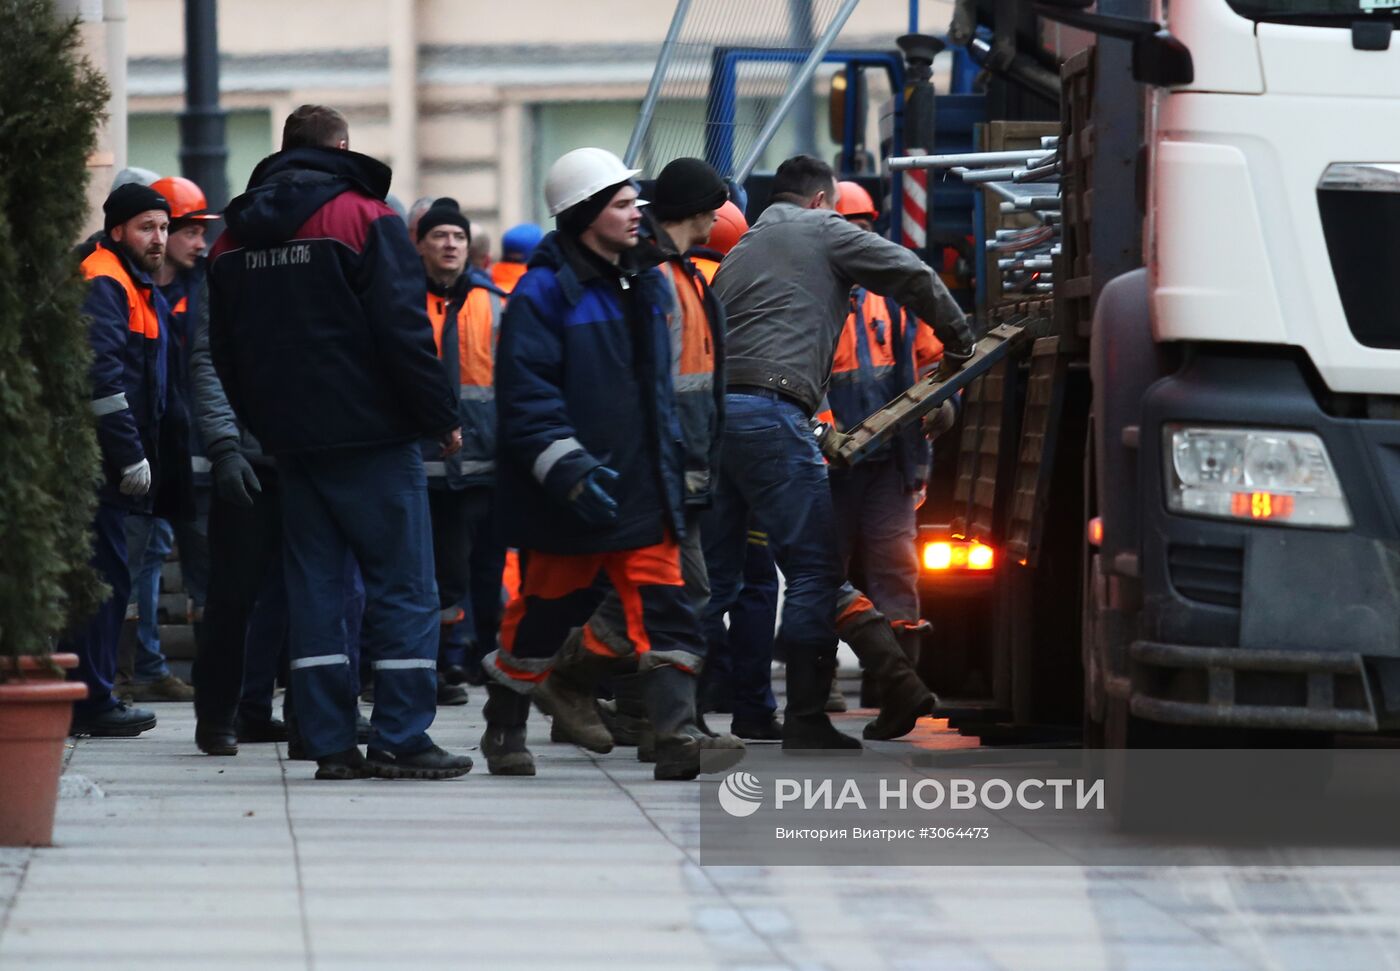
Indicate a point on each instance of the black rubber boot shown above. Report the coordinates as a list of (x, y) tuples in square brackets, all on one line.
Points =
[(626, 714), (911, 642), (646, 745), (836, 699), (869, 690), (903, 697), (503, 742), (568, 695), (805, 722), (670, 699)]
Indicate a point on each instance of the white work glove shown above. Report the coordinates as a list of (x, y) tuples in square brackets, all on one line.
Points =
[(136, 479), (939, 421)]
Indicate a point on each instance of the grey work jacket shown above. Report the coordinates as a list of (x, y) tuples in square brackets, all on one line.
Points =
[(221, 431), (786, 291)]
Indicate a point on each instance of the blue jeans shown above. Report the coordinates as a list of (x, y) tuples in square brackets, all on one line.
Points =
[(876, 529), (372, 504), (149, 540), (742, 672), (773, 478)]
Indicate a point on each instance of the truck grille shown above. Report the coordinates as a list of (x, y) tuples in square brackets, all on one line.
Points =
[(1209, 574), (1360, 203)]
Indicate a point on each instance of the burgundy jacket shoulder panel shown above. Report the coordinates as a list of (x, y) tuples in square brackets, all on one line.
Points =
[(346, 218)]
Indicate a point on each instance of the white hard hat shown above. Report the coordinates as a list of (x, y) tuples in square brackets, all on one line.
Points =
[(579, 174), (134, 174)]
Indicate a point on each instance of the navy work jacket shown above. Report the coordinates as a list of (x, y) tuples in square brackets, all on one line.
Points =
[(583, 379), (318, 324)]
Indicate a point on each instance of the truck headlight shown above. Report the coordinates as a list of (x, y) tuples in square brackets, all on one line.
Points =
[(1258, 474)]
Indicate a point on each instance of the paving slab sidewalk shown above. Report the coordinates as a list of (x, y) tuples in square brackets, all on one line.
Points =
[(169, 859)]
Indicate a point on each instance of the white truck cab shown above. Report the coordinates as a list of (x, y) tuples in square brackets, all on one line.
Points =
[(1247, 383)]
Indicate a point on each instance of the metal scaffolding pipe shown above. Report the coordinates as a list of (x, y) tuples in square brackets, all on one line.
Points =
[(969, 159), (658, 77), (802, 79)]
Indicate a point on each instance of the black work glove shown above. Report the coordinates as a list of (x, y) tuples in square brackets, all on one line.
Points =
[(234, 479), (940, 420), (592, 497), (953, 360)]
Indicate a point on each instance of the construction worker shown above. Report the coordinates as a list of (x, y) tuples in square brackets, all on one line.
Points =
[(730, 224), (881, 350), (738, 661), (182, 284), (592, 477), (465, 315), (686, 196), (479, 255), (517, 246), (320, 337), (415, 213), (245, 544), (128, 321), (786, 290)]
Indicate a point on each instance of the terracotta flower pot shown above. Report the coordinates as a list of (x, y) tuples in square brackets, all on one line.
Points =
[(36, 707)]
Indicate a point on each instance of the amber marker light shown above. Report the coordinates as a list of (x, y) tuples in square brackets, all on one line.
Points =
[(1261, 505), (956, 555), (1096, 531), (938, 556), (980, 557)]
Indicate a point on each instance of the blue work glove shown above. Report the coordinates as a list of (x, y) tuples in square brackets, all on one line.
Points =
[(592, 497)]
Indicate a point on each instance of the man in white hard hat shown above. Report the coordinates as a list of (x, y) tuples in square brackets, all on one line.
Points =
[(591, 468)]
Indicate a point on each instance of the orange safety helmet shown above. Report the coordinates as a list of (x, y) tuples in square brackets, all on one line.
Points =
[(855, 202), (186, 199), (730, 224)]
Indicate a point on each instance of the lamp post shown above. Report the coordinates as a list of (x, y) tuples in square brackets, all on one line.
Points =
[(203, 146)]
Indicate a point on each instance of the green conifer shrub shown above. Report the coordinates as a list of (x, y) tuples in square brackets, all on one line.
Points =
[(51, 103)]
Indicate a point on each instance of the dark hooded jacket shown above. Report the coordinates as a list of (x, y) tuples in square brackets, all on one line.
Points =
[(583, 379), (318, 325)]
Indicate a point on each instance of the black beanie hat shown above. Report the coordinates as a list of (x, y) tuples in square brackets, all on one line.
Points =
[(578, 217), (685, 187), (129, 201), (443, 212)]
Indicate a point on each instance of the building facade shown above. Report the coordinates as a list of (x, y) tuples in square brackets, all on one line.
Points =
[(465, 98)]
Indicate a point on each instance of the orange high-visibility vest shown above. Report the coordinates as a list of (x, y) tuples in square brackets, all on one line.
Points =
[(142, 317)]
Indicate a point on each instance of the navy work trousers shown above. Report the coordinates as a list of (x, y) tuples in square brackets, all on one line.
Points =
[(372, 503), (95, 642)]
